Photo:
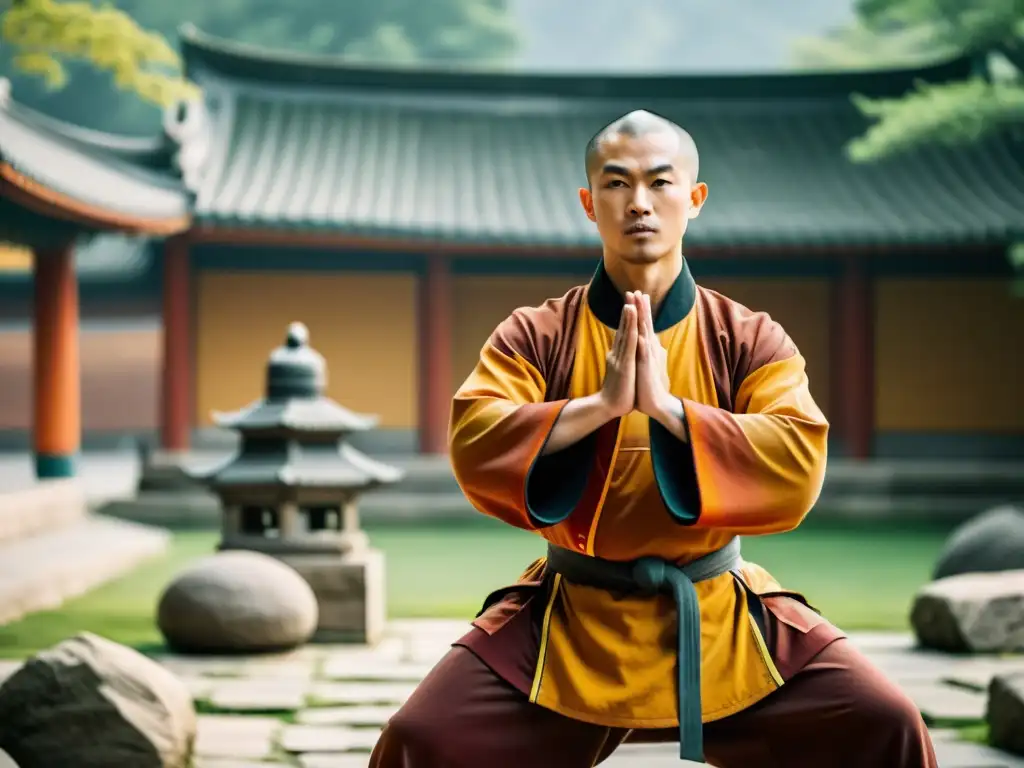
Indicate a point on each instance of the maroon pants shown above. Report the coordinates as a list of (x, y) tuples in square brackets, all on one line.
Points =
[(839, 711)]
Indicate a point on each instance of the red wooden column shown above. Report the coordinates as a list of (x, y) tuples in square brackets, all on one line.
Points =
[(435, 353), (853, 368), (57, 389), (176, 374)]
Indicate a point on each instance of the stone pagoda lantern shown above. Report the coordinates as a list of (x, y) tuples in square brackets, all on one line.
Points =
[(291, 490)]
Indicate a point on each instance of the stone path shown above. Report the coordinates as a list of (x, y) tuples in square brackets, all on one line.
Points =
[(322, 706)]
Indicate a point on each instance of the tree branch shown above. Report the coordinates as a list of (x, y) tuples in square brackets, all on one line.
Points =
[(946, 113)]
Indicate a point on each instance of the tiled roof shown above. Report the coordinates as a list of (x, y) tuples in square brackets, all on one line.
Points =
[(113, 178), (491, 158)]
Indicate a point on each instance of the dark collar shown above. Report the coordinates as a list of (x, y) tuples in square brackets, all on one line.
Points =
[(606, 302)]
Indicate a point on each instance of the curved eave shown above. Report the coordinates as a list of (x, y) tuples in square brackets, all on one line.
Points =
[(29, 193), (151, 152), (202, 52)]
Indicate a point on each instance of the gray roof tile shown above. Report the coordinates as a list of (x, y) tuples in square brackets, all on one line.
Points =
[(320, 145)]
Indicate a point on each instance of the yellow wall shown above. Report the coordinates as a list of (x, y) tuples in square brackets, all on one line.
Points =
[(120, 378), (948, 356), (363, 324), (15, 258)]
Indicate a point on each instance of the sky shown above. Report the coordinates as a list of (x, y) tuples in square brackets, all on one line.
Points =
[(712, 36)]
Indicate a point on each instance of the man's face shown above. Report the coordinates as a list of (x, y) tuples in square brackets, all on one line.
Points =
[(642, 194)]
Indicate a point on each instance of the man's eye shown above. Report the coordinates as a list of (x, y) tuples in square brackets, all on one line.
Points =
[(616, 183), (660, 182)]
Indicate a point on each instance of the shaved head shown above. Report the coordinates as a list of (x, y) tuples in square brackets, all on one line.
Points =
[(635, 125), (642, 188)]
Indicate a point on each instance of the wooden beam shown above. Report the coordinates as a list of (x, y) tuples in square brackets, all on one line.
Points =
[(435, 353), (57, 388), (176, 373), (30, 194)]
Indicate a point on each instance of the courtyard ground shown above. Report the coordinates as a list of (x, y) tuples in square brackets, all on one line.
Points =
[(322, 706)]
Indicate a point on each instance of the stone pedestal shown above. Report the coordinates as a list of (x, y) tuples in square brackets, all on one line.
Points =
[(350, 590), (291, 491)]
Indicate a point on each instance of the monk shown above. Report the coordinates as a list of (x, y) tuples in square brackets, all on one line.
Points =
[(641, 424)]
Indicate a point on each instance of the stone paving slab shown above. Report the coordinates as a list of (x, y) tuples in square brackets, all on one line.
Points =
[(338, 760), (912, 665), (291, 666), (236, 736), (960, 754), (875, 642), (353, 715), (259, 695), (311, 738), (339, 667), (648, 756), (941, 703), (393, 648), (333, 694)]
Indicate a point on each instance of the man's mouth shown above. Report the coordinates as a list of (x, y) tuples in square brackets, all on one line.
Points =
[(640, 229)]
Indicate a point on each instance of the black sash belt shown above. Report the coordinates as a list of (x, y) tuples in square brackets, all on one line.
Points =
[(650, 576)]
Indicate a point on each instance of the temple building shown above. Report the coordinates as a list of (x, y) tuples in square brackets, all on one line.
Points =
[(400, 214), (63, 190)]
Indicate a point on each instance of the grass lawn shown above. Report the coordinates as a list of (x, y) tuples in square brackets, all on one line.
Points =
[(861, 577)]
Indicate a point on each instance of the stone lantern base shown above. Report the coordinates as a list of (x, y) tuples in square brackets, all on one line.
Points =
[(350, 590)]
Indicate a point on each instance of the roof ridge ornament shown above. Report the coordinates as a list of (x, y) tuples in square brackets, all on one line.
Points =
[(186, 122), (295, 370)]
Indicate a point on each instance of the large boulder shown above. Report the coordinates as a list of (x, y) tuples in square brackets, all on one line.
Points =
[(992, 541), (237, 602), (93, 703), (973, 612), (1005, 712)]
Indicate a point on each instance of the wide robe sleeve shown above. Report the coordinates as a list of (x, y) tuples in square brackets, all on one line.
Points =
[(500, 422), (757, 468)]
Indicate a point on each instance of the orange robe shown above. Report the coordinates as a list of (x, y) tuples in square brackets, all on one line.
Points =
[(754, 465)]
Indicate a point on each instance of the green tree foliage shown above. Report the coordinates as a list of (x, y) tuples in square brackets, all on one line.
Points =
[(910, 32), (125, 45), (46, 33)]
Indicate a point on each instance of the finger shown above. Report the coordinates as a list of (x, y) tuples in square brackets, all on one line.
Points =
[(620, 332), (632, 333), (648, 316), (641, 348), (640, 316)]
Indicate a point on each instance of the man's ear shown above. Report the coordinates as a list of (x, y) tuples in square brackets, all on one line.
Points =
[(698, 195), (587, 201)]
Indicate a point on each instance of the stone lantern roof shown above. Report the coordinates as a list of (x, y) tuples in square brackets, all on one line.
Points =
[(294, 437), (295, 403)]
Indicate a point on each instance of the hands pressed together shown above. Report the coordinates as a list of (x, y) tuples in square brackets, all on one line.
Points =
[(636, 376)]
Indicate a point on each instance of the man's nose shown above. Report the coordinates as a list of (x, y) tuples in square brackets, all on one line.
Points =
[(640, 202)]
